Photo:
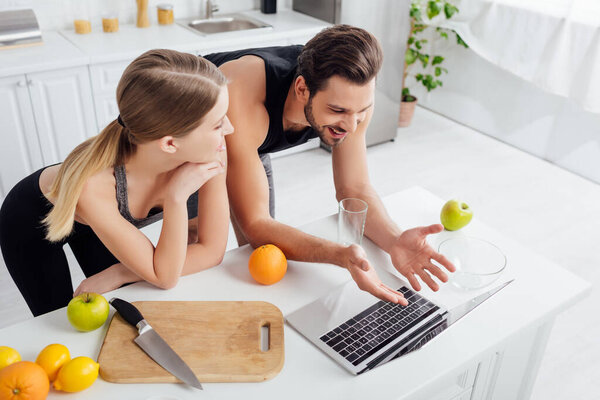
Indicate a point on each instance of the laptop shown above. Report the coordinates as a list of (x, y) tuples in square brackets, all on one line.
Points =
[(361, 332)]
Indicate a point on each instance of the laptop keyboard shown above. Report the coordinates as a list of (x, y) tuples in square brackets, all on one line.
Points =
[(368, 332)]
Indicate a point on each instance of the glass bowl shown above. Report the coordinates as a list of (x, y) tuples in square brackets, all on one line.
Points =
[(478, 262)]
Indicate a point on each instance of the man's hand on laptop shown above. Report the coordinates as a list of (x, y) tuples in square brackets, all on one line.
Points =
[(355, 260), (412, 257)]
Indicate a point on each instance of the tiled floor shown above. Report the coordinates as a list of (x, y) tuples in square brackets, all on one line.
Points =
[(549, 210)]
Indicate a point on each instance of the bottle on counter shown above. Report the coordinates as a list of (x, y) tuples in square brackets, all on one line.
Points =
[(165, 14), (81, 16), (268, 6), (142, 14)]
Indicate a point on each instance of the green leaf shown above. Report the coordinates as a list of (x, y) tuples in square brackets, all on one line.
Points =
[(444, 34), (415, 13), (411, 40), (430, 83), (405, 92), (410, 56), (433, 9), (437, 60), (418, 45), (449, 10), (419, 28), (419, 77), (460, 41), (424, 58), (438, 71)]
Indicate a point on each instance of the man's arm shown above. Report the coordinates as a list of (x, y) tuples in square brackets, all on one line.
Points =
[(351, 179), (246, 179), (410, 253), (249, 190)]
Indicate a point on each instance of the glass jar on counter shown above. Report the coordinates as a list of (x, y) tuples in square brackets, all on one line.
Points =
[(110, 15), (165, 14), (110, 23), (81, 16)]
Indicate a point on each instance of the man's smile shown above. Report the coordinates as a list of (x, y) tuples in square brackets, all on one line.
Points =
[(337, 134)]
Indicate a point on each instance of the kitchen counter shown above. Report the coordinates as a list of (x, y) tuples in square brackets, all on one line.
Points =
[(65, 49), (55, 52), (495, 348), (131, 41)]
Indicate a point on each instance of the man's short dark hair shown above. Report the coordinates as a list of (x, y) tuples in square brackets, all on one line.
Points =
[(343, 50)]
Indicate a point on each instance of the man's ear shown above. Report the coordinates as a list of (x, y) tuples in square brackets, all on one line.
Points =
[(167, 144), (302, 92)]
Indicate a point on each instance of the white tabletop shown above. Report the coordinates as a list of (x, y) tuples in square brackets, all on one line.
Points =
[(540, 290)]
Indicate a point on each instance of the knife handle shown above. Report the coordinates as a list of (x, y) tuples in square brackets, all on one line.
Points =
[(127, 310)]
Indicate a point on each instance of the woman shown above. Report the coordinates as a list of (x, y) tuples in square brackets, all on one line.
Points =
[(166, 147)]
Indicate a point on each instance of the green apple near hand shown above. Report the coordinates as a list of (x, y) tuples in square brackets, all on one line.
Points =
[(88, 311), (455, 214)]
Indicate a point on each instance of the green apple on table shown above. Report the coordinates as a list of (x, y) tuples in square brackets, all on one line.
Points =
[(88, 311), (455, 215)]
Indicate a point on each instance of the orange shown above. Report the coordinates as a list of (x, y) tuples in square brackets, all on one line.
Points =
[(51, 358), (267, 264), (24, 380)]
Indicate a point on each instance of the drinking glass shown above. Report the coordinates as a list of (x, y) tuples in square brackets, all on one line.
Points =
[(352, 215)]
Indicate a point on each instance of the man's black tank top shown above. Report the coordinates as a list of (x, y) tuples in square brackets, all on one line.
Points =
[(280, 69)]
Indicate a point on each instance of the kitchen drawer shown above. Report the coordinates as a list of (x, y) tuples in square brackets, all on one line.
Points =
[(454, 386)]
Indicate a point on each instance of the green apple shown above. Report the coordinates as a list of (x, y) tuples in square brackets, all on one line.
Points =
[(88, 311), (455, 215)]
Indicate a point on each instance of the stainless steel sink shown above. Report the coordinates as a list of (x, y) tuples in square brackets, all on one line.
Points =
[(223, 23)]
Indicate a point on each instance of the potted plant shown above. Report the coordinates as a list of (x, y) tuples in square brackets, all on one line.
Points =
[(416, 54)]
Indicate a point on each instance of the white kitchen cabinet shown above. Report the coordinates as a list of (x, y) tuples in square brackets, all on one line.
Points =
[(20, 152), (44, 116), (63, 110), (105, 78)]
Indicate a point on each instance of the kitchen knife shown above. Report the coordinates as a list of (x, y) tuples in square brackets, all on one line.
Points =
[(154, 345)]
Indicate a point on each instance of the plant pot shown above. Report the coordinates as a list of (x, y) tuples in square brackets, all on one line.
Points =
[(407, 109)]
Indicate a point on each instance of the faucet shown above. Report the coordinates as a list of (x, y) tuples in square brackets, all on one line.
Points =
[(211, 7)]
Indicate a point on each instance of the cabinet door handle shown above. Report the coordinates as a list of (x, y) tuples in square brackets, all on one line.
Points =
[(21, 83), (31, 82)]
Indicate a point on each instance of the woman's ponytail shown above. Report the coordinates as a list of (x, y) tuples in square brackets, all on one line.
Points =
[(104, 150)]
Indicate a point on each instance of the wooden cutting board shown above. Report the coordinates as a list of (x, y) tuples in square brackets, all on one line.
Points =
[(219, 340)]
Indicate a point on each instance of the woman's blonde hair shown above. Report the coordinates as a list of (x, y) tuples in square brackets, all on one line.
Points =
[(162, 92)]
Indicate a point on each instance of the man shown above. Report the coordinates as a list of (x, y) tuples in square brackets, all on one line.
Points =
[(280, 97)]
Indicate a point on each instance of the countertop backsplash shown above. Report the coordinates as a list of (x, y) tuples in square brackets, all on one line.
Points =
[(58, 14)]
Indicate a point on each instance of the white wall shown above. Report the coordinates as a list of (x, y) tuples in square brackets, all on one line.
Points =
[(58, 14), (498, 103)]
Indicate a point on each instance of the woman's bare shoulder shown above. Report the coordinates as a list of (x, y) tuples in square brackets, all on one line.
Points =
[(101, 185)]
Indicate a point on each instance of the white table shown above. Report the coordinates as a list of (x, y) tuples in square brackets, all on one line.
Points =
[(494, 352)]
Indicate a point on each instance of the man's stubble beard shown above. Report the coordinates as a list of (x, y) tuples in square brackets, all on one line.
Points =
[(308, 114)]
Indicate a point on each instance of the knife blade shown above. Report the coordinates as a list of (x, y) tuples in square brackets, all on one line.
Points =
[(154, 345)]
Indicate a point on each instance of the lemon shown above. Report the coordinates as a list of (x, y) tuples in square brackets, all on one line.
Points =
[(8, 356), (51, 358), (76, 375)]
